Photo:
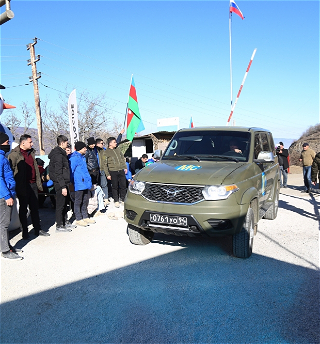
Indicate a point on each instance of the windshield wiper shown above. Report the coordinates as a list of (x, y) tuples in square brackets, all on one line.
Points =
[(225, 157), (190, 157)]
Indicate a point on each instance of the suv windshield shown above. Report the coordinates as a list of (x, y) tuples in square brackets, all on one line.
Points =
[(209, 145)]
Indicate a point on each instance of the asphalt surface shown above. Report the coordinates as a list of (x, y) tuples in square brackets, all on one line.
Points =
[(93, 286)]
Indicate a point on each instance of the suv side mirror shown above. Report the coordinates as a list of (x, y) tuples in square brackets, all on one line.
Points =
[(264, 157)]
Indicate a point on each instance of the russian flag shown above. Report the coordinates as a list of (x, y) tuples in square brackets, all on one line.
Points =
[(191, 123), (234, 8)]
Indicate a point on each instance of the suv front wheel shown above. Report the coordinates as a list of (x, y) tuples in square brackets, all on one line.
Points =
[(139, 236), (242, 242), (272, 212)]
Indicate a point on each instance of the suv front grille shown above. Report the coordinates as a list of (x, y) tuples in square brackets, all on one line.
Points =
[(171, 193)]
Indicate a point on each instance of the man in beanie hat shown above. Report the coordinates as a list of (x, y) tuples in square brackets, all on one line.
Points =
[(81, 180), (7, 195), (283, 163), (28, 181), (92, 161), (307, 156)]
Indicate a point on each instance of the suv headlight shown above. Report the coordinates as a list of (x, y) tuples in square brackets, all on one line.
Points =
[(216, 192), (136, 187)]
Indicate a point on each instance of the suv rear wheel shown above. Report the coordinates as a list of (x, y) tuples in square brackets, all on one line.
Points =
[(138, 236), (242, 242)]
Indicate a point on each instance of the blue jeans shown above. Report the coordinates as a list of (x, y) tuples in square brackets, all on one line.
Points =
[(284, 177), (98, 191), (307, 177), (104, 184)]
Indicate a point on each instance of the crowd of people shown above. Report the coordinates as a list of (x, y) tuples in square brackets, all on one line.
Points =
[(81, 180)]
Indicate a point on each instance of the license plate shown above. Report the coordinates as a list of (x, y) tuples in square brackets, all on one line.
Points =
[(169, 220)]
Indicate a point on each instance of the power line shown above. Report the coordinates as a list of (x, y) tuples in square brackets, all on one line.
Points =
[(95, 104), (18, 85)]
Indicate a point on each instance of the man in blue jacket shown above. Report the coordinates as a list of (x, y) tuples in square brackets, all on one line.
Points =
[(81, 180), (7, 195)]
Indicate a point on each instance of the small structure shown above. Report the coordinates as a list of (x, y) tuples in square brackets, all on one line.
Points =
[(149, 143)]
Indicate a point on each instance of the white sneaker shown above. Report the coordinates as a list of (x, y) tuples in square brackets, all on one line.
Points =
[(98, 213), (117, 204)]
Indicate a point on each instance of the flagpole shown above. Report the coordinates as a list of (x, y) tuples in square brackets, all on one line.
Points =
[(125, 116), (230, 22)]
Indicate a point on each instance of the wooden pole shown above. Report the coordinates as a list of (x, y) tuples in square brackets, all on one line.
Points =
[(34, 78)]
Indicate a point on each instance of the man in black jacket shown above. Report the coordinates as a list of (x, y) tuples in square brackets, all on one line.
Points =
[(92, 161), (60, 175), (283, 163), (141, 163)]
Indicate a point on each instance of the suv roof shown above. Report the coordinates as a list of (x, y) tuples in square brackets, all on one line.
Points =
[(224, 128)]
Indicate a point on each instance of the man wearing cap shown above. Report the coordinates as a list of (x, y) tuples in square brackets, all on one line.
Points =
[(307, 156), (81, 180), (283, 163), (28, 181), (92, 161), (7, 195)]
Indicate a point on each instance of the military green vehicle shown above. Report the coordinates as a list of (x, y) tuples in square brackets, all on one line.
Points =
[(210, 181)]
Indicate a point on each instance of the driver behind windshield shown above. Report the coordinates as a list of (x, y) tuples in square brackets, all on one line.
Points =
[(234, 148)]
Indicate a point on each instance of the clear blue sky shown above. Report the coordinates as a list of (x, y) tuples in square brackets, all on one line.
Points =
[(178, 53)]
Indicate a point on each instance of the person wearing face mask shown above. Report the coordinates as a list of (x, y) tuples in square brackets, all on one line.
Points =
[(28, 181), (7, 195)]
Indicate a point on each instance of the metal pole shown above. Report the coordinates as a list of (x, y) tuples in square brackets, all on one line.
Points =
[(244, 79), (125, 117), (34, 79), (230, 22)]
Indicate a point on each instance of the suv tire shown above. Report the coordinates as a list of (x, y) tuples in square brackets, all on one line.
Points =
[(242, 242), (138, 236)]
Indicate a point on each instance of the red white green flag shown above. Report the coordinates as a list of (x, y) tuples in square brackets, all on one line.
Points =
[(134, 122)]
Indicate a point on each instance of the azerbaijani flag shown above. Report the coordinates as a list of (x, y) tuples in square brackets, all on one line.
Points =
[(191, 123), (134, 122), (234, 8)]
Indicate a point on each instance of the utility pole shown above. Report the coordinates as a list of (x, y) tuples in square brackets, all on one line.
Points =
[(34, 78)]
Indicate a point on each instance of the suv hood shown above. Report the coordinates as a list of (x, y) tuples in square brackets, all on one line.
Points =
[(188, 172)]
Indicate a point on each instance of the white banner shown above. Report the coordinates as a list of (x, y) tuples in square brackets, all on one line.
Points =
[(73, 118)]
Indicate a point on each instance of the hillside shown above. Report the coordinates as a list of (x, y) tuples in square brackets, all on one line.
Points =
[(311, 136)]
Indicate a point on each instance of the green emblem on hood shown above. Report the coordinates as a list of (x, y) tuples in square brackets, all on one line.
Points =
[(187, 168)]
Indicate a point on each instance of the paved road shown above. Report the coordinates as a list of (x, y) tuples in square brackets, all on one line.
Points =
[(93, 286)]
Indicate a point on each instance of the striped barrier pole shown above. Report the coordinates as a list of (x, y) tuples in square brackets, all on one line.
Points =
[(244, 79)]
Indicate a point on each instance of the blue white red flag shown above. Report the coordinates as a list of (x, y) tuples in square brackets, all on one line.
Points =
[(234, 8), (191, 123)]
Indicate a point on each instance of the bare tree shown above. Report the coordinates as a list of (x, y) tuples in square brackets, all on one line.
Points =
[(19, 126), (94, 117), (28, 116), (10, 120), (54, 124)]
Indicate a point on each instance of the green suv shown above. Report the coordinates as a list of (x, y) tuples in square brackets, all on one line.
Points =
[(210, 181)]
